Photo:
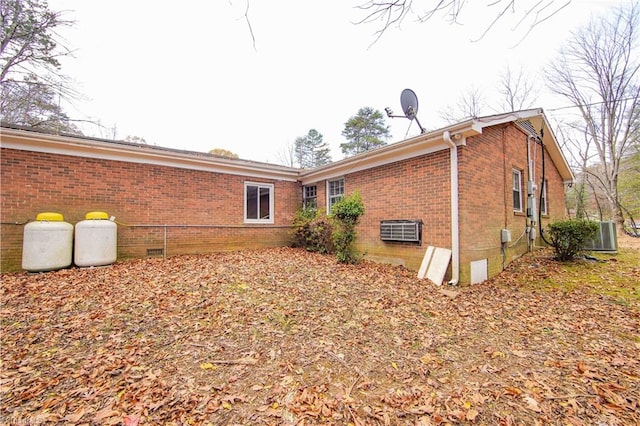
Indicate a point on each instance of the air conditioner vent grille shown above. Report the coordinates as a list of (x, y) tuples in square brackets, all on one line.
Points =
[(401, 230)]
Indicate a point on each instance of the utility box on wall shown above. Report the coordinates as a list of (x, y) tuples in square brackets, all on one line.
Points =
[(505, 236)]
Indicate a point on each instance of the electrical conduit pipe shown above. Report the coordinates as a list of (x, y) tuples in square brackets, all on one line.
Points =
[(455, 224)]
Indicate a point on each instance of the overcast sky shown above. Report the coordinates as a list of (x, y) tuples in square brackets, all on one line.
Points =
[(186, 74)]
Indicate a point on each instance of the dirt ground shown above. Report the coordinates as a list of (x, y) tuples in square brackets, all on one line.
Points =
[(287, 337), (628, 241)]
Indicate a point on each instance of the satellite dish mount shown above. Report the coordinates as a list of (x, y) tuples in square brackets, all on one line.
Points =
[(409, 103)]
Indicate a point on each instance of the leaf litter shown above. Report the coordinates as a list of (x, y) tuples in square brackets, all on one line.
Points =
[(286, 337)]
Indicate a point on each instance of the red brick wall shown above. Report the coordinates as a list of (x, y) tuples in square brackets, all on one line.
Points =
[(413, 189), (137, 194), (486, 202), (419, 189)]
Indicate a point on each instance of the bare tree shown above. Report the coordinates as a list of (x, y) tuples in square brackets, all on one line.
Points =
[(29, 43), (32, 103), (287, 156), (30, 49), (629, 190), (470, 104), (245, 16), (572, 140), (517, 90), (598, 72), (527, 13)]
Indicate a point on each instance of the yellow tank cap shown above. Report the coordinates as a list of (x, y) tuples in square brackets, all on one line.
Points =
[(50, 217), (96, 215)]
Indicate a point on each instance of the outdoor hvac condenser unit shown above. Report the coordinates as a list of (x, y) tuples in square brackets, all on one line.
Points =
[(606, 239)]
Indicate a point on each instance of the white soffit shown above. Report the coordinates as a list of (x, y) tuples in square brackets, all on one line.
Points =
[(537, 120), (398, 151), (79, 147)]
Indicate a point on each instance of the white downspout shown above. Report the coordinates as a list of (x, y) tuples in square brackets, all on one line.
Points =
[(455, 224)]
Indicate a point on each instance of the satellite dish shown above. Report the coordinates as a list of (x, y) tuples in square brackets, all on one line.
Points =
[(409, 103)]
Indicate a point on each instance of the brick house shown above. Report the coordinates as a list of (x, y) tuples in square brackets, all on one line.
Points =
[(458, 187)]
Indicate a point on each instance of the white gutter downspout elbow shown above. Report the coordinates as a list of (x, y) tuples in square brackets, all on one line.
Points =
[(455, 223)]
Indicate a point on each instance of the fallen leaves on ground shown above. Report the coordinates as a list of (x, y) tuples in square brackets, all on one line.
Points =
[(283, 336)]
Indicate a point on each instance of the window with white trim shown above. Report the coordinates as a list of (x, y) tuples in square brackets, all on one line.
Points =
[(310, 196), (258, 202), (517, 190), (335, 192), (543, 201)]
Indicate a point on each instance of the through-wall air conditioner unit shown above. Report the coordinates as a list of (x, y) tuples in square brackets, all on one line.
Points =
[(606, 239), (401, 230)]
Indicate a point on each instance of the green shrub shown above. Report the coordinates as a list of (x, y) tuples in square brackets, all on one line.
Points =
[(313, 231), (568, 237), (349, 209), (316, 232), (346, 214)]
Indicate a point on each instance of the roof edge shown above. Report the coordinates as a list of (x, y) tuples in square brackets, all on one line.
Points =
[(418, 145), (73, 145), (425, 143), (538, 119)]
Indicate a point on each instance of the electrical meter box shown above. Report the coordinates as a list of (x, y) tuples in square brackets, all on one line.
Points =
[(505, 236)]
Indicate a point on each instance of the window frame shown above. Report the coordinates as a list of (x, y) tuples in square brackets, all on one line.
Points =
[(307, 199), (545, 198), (271, 194), (517, 172), (334, 198)]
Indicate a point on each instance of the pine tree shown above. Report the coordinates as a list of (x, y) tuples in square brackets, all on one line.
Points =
[(365, 131), (311, 151)]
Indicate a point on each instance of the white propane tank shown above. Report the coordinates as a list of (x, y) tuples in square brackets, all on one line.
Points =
[(96, 240), (47, 243)]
